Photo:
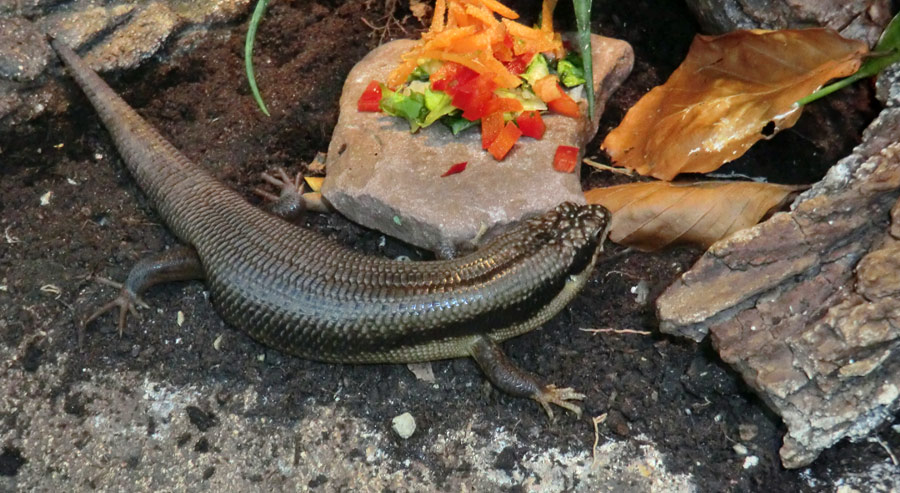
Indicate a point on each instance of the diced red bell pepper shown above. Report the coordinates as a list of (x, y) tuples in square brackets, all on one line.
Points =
[(491, 125), (505, 141), (450, 75), (370, 98), (565, 105), (566, 159), (531, 124), (519, 63), (473, 96), (456, 168)]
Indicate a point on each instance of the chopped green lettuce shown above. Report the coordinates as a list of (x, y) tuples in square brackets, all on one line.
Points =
[(411, 107), (456, 123), (536, 70), (570, 70), (438, 103)]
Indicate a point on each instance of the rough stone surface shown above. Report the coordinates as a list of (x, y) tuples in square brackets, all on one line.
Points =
[(383, 177), (124, 432), (805, 305), (857, 19), (23, 51), (121, 34)]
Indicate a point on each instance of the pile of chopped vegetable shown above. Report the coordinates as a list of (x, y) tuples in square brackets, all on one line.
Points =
[(471, 67)]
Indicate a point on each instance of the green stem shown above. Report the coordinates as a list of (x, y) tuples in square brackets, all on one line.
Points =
[(583, 20), (248, 53)]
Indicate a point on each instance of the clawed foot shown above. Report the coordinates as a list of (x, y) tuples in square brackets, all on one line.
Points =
[(290, 204), (127, 301), (283, 182), (561, 397)]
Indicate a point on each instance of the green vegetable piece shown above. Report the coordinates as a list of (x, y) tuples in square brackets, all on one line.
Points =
[(570, 72), (583, 21), (456, 123), (438, 104), (536, 70), (411, 107), (248, 54), (886, 52), (418, 74)]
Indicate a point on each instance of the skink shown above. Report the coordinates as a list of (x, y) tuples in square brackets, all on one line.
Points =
[(303, 294)]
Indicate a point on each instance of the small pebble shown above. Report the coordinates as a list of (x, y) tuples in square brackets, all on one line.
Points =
[(179, 318), (747, 432), (217, 344), (422, 371), (45, 199), (740, 449), (751, 461), (404, 425)]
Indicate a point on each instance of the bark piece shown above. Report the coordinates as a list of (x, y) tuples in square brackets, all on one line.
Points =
[(383, 177), (805, 305), (856, 19)]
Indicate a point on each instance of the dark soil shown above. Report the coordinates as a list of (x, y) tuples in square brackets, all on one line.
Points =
[(677, 394)]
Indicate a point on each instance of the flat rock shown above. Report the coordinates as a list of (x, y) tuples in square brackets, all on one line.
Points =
[(383, 177), (805, 305), (856, 19)]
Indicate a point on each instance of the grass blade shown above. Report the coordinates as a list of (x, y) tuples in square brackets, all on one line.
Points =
[(583, 20), (248, 53)]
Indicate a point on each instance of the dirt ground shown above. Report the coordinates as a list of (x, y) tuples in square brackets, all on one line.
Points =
[(671, 393)]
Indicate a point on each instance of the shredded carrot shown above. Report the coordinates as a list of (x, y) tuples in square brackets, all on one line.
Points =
[(547, 9), (447, 37), (482, 14), (440, 12), (503, 10), (459, 14), (474, 42)]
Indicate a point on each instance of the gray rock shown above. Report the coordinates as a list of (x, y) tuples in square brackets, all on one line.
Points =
[(77, 27), (122, 34), (24, 51), (135, 41), (805, 306), (857, 19), (383, 177)]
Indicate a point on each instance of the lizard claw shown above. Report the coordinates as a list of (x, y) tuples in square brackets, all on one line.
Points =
[(127, 301), (560, 397)]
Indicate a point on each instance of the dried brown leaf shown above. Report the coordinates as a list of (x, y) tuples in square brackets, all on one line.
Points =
[(727, 90), (652, 215)]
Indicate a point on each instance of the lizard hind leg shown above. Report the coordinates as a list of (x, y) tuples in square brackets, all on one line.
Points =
[(515, 381), (289, 204), (176, 264)]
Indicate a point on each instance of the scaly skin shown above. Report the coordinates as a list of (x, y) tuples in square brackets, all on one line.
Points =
[(301, 293)]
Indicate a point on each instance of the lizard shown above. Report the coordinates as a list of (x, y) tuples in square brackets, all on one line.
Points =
[(301, 293)]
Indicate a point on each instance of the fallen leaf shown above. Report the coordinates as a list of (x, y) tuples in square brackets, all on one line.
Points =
[(652, 215), (728, 89), (314, 182)]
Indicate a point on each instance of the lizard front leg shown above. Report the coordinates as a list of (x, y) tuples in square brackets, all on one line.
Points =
[(508, 377)]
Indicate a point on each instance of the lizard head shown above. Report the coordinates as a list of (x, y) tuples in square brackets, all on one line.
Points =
[(574, 226)]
